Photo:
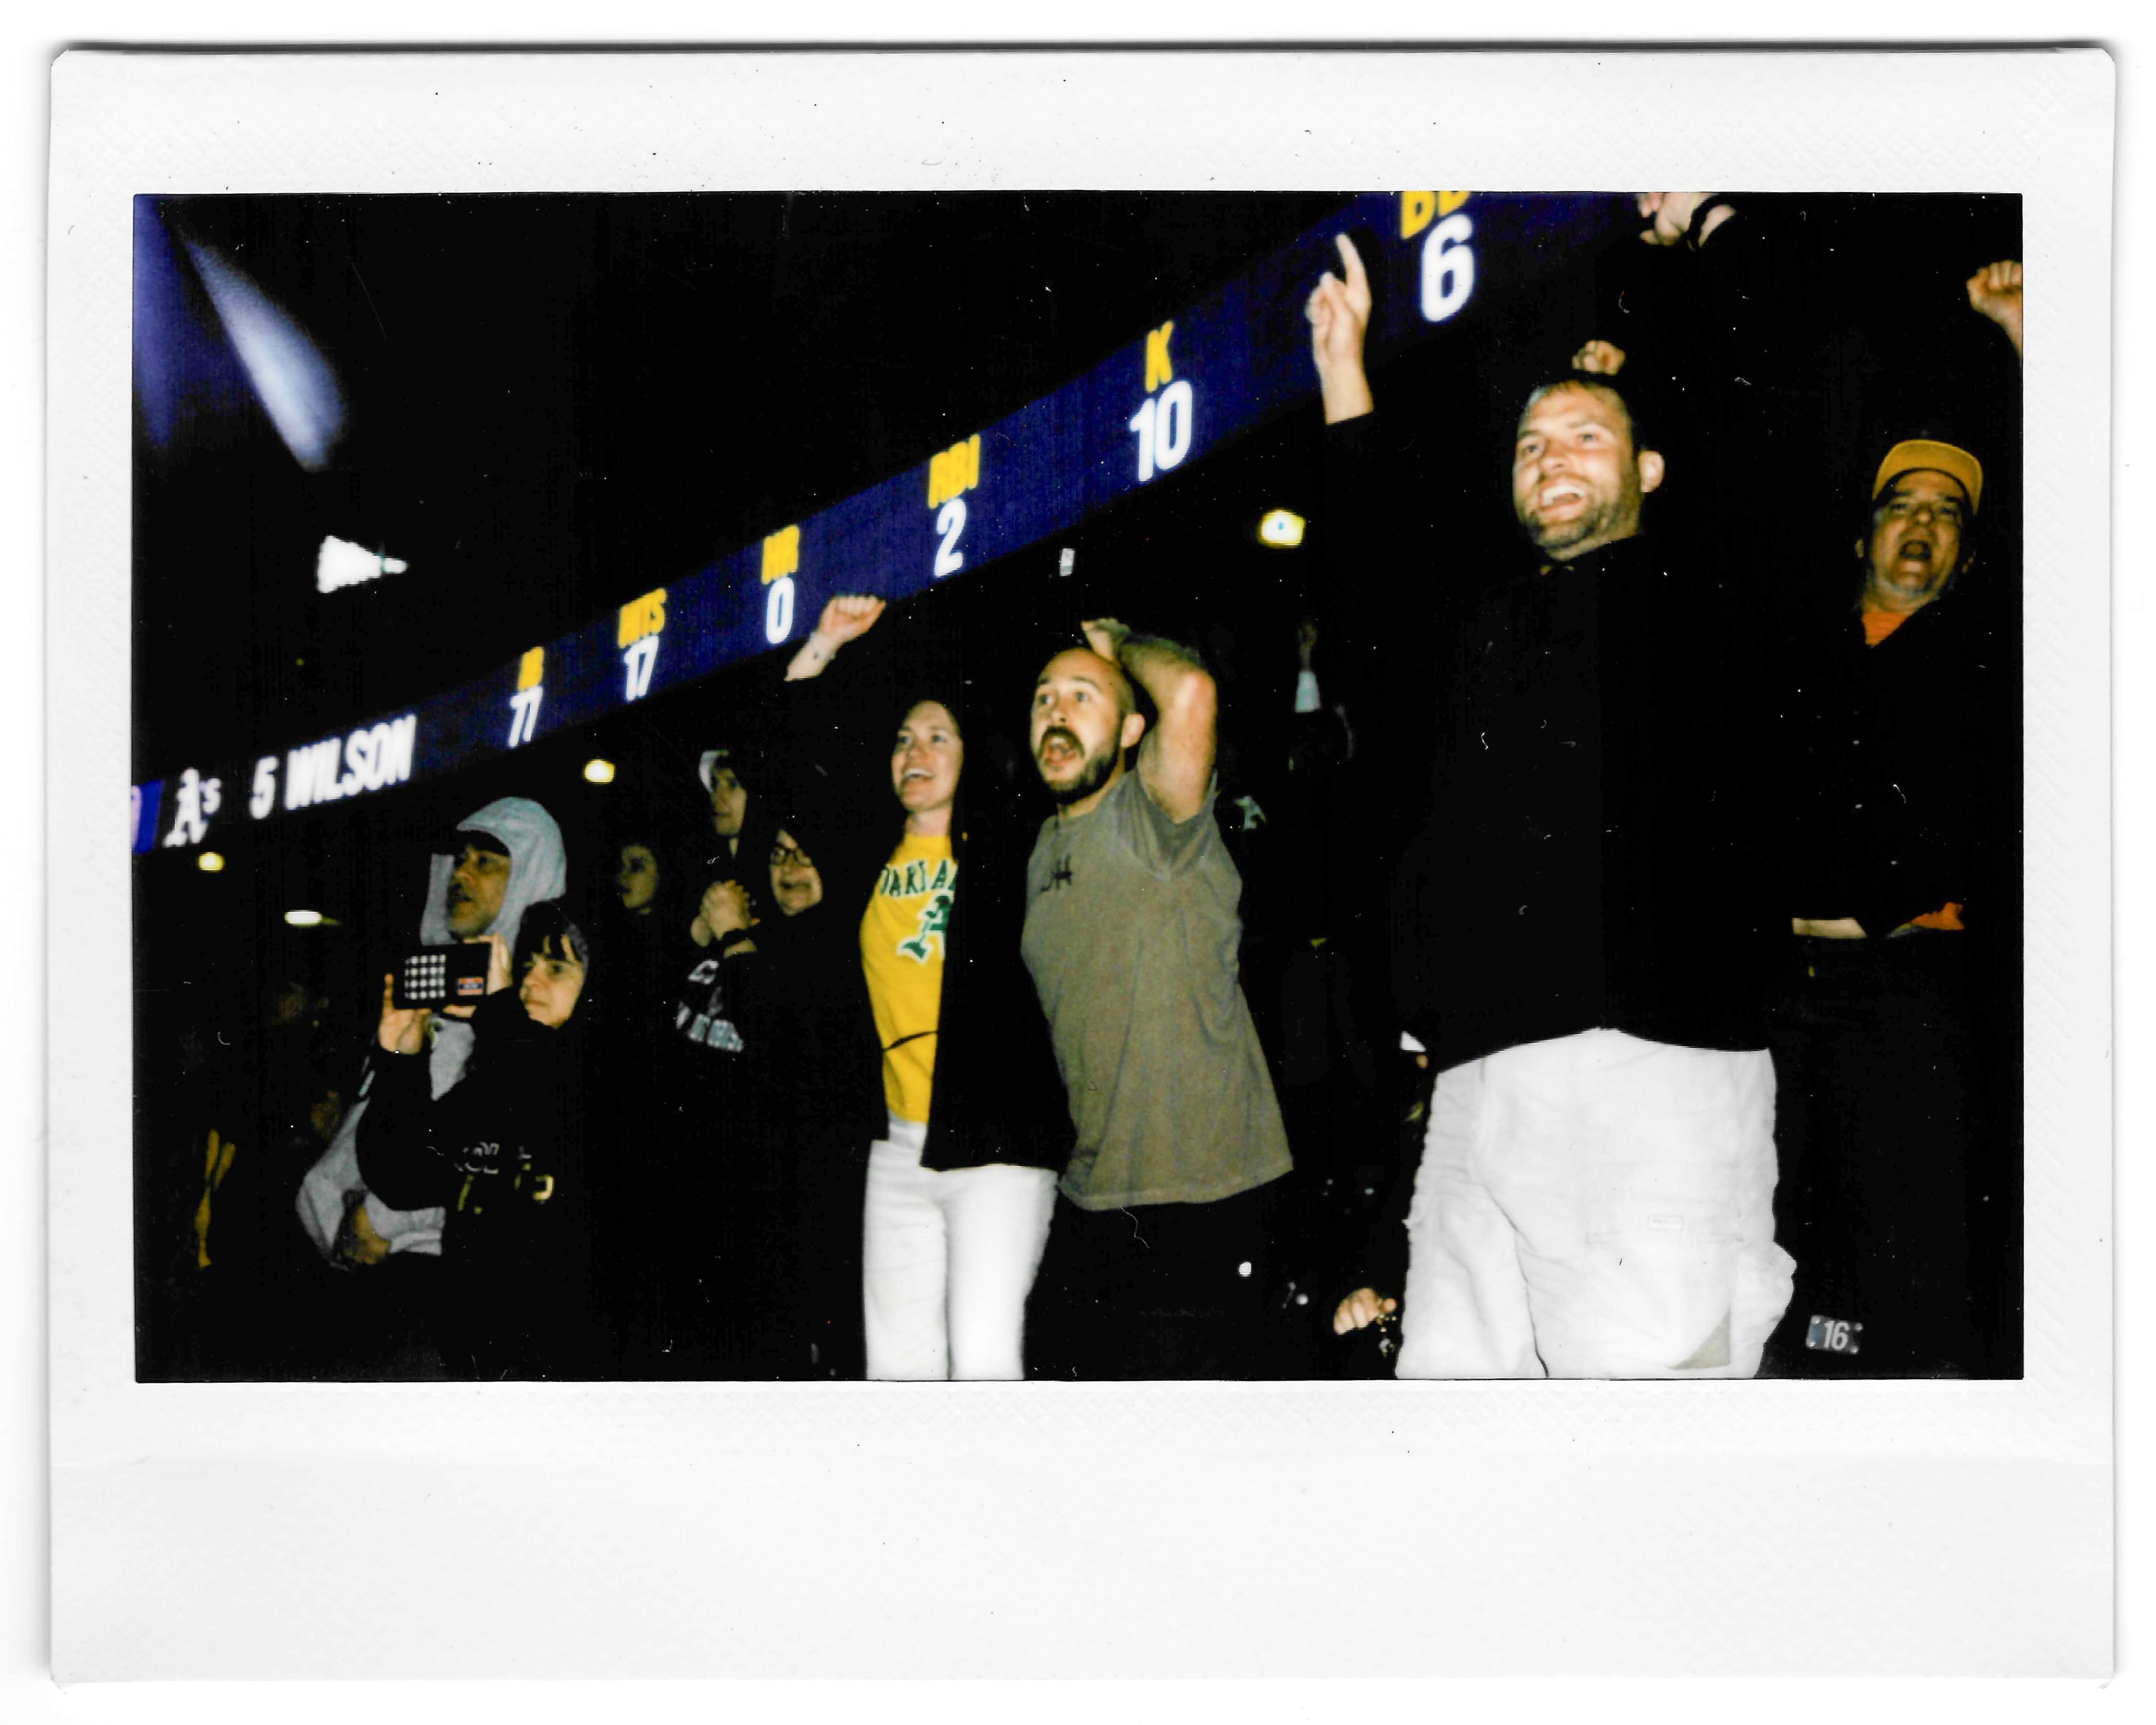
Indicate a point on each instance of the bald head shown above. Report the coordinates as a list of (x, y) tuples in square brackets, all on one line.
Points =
[(1084, 716), (1083, 665)]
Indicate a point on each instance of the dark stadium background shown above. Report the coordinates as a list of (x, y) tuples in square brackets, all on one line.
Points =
[(555, 403)]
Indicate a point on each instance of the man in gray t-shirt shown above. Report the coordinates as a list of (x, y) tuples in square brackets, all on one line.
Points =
[(1154, 1265)]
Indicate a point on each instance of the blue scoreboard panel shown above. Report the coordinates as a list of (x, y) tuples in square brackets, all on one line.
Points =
[(1188, 386)]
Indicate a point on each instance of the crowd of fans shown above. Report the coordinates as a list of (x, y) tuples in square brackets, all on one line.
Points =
[(1605, 977)]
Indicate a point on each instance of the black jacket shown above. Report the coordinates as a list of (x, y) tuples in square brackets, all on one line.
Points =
[(1904, 796), (997, 1096), (1595, 741), (504, 1152)]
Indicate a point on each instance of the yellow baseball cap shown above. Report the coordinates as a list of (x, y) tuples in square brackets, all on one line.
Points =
[(1957, 463)]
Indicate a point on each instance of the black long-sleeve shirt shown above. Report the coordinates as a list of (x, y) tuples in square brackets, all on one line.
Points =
[(504, 1153), (1596, 742)]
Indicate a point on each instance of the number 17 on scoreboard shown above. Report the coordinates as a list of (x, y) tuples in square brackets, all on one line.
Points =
[(637, 633)]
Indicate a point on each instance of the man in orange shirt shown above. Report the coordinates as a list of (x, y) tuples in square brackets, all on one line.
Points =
[(1897, 1191)]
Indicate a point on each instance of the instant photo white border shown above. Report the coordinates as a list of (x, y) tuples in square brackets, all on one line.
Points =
[(1035, 1530)]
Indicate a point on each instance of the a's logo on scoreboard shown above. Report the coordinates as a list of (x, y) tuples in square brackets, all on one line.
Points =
[(194, 803)]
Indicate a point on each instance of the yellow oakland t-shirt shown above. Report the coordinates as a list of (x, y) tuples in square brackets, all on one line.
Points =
[(902, 955)]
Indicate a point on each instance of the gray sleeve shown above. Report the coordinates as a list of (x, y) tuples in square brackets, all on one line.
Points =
[(1163, 846)]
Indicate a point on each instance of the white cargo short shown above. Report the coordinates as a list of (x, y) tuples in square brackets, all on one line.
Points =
[(1595, 1206)]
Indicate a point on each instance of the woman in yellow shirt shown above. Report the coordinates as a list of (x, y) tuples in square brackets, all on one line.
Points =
[(961, 1187)]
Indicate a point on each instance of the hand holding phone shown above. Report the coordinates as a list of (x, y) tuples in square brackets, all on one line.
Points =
[(402, 1029)]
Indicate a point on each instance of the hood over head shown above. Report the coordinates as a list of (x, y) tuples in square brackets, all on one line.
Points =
[(538, 867)]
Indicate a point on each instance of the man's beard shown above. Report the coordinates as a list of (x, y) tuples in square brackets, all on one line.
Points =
[(1091, 775), (1597, 523)]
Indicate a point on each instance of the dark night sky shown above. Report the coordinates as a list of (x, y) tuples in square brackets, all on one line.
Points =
[(557, 403)]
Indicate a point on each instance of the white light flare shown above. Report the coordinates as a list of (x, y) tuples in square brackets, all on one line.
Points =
[(291, 379), (340, 563)]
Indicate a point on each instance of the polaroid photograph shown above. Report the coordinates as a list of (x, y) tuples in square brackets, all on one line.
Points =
[(924, 843)]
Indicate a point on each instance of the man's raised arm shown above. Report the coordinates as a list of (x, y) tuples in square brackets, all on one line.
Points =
[(1339, 313), (1175, 759)]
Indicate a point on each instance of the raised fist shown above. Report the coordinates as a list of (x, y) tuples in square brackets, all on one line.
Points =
[(1995, 291)]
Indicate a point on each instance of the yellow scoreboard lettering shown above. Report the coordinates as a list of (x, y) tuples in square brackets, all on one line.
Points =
[(640, 617), (1159, 368), (531, 669), (952, 471), (1418, 209), (782, 554)]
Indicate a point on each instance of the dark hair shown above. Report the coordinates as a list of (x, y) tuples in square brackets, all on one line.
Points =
[(549, 923), (992, 762), (913, 698), (1639, 412)]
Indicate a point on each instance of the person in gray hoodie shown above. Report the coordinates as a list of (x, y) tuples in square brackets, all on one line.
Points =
[(508, 856)]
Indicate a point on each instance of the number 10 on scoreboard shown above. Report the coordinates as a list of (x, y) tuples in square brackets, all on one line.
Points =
[(1164, 424)]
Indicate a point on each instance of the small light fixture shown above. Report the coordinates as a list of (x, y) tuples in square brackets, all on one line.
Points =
[(340, 563), (1282, 527), (209, 862), (303, 919), (599, 771)]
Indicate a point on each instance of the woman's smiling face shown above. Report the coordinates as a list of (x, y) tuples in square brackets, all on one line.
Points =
[(926, 759)]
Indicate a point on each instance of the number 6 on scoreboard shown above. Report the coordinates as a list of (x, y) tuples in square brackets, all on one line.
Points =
[(1448, 267)]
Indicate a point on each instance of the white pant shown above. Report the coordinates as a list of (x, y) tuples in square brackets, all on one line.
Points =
[(947, 1261), (1595, 1206)]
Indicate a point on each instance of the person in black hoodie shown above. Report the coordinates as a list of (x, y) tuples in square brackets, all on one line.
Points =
[(802, 1109), (1580, 943), (961, 1179), (504, 1154)]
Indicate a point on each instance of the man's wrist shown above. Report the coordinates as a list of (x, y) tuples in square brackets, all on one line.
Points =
[(1346, 398)]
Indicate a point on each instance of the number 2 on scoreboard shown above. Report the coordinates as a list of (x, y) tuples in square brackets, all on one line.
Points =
[(950, 522)]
